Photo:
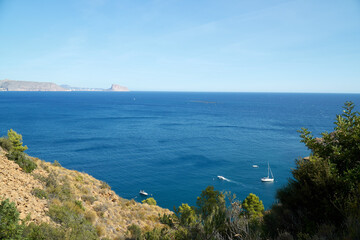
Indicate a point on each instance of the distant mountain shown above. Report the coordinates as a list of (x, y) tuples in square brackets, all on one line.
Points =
[(13, 85)]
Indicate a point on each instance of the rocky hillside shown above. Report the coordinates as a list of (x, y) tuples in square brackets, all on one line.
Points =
[(108, 213)]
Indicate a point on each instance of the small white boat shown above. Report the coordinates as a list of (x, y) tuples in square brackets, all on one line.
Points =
[(255, 166), (142, 192), (268, 178), (221, 178)]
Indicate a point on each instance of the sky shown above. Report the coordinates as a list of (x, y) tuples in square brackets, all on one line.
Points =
[(184, 45)]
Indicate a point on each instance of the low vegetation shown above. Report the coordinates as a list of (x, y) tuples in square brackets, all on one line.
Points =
[(13, 144)]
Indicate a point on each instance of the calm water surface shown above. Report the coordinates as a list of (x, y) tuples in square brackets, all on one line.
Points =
[(172, 145)]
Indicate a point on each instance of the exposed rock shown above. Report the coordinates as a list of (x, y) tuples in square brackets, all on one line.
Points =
[(118, 88), (16, 185), (102, 205)]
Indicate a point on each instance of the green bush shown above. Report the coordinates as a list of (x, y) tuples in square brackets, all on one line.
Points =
[(325, 188), (22, 160), (56, 164), (6, 144), (104, 185), (71, 217), (39, 193), (16, 140), (79, 204), (135, 232), (253, 206), (150, 201), (13, 144), (43, 231), (9, 221)]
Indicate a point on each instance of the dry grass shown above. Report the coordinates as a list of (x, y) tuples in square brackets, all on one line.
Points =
[(110, 213)]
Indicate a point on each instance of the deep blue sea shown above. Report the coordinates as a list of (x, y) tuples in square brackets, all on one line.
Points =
[(172, 144)]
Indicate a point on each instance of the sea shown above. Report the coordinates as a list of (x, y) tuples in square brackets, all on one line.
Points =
[(172, 144)]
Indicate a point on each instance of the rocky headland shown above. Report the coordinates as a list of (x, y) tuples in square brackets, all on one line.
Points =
[(13, 85)]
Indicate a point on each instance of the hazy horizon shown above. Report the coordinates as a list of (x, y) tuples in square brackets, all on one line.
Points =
[(287, 46)]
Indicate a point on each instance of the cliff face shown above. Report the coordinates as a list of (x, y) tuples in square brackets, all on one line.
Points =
[(10, 85), (118, 88), (108, 213)]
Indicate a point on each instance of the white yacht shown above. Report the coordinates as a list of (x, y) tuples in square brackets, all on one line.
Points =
[(142, 192), (268, 178)]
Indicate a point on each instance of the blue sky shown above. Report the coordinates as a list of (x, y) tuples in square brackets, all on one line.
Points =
[(170, 45)]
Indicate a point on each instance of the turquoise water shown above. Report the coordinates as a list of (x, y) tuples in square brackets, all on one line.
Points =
[(172, 145)]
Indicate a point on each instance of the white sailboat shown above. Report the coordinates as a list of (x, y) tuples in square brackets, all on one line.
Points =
[(268, 178)]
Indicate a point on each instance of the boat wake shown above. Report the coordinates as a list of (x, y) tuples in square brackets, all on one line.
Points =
[(231, 181)]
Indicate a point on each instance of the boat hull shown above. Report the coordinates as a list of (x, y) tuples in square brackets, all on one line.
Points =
[(267, 179)]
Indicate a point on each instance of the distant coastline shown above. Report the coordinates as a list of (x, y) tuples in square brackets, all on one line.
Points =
[(24, 86)]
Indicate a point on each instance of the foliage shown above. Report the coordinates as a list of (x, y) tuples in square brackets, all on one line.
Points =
[(88, 198), (150, 201), (39, 193), (9, 221), (71, 217), (186, 214), (16, 140), (325, 189), (253, 206), (6, 144), (168, 219), (56, 163), (210, 200), (135, 232), (43, 231), (22, 160), (14, 145), (104, 185)]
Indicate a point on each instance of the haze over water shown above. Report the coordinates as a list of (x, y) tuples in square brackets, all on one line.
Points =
[(172, 144)]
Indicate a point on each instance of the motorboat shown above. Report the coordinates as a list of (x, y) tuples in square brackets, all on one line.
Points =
[(142, 192), (255, 166), (221, 178), (268, 178)]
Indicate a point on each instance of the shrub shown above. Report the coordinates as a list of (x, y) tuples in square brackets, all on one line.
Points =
[(90, 216), (62, 192), (88, 199), (22, 160), (104, 185), (100, 230), (39, 177), (79, 204), (150, 201), (253, 206), (56, 164), (101, 209), (43, 231), (70, 216), (6, 144), (9, 221), (135, 232), (16, 140), (39, 193), (79, 178)]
